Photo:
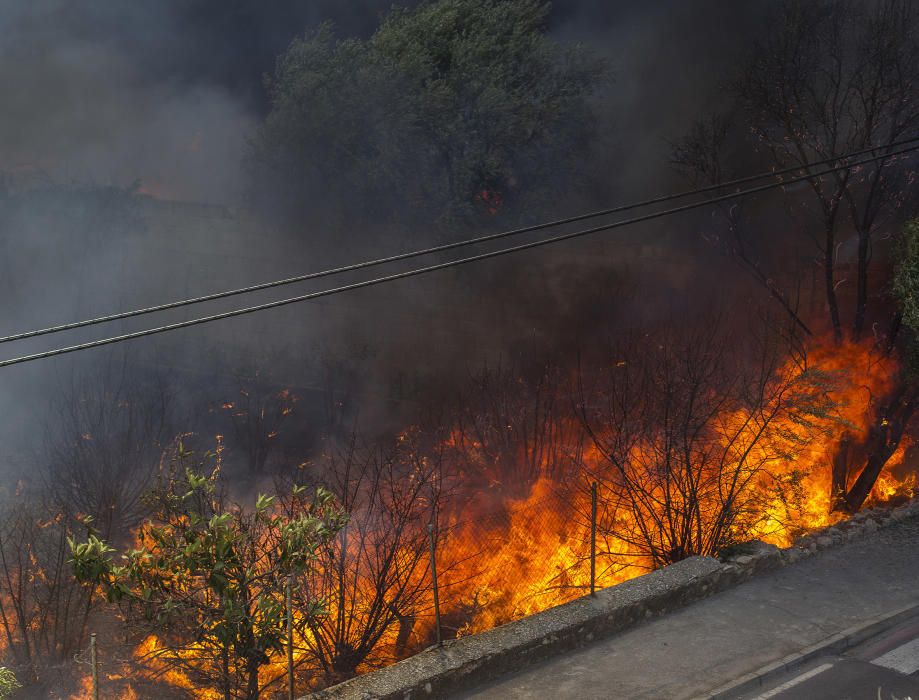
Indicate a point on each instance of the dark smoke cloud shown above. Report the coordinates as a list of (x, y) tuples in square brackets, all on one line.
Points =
[(672, 62), (79, 107), (167, 92)]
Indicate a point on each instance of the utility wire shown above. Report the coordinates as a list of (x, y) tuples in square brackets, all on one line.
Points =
[(439, 248), (440, 266)]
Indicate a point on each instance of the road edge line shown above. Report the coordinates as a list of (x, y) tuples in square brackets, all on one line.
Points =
[(834, 644)]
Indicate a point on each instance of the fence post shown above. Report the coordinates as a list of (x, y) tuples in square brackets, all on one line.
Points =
[(593, 538), (94, 662), (434, 582), (290, 641)]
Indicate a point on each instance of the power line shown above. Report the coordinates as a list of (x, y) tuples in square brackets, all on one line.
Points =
[(440, 266), (439, 248)]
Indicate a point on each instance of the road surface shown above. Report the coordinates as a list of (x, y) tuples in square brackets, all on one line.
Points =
[(885, 667), (708, 644)]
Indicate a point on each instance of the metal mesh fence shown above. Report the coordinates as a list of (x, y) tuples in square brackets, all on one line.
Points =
[(482, 567), (527, 556)]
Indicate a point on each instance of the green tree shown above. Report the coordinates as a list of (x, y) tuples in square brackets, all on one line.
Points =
[(210, 579), (454, 110), (829, 77), (906, 279), (8, 682), (893, 416)]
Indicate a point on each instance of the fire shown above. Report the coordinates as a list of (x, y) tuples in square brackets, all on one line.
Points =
[(111, 685), (86, 688), (504, 552), (150, 651), (536, 555), (867, 376), (490, 199)]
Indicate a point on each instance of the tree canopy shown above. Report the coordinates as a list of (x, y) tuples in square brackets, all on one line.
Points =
[(209, 578), (906, 291), (455, 110)]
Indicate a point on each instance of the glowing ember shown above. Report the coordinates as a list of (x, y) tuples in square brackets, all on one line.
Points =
[(501, 557)]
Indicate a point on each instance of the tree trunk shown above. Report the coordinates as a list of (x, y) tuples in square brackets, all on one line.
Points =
[(840, 474), (861, 302), (882, 441), (830, 281), (252, 667), (225, 663)]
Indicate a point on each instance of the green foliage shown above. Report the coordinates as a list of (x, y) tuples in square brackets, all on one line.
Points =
[(211, 576), (906, 278), (455, 109), (906, 291), (8, 682), (91, 559)]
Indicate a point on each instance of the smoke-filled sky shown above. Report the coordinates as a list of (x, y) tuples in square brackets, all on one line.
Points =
[(167, 92)]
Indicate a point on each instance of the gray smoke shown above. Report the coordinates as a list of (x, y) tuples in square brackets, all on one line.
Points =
[(100, 96)]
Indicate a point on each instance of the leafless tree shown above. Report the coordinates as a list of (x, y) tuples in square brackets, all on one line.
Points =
[(689, 427), (103, 442), (43, 609), (257, 414), (839, 76), (703, 157), (834, 76), (510, 430), (375, 576)]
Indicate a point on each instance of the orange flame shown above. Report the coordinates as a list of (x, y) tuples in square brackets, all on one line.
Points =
[(534, 551)]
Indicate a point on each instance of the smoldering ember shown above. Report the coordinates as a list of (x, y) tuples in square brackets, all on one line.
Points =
[(366, 351)]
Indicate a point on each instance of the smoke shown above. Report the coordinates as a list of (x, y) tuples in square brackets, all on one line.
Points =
[(80, 108), (672, 62), (123, 142), (108, 94), (165, 93)]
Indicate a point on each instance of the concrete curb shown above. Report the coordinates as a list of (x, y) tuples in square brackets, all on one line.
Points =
[(462, 664), (834, 644)]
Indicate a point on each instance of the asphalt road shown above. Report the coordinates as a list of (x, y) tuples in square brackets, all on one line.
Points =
[(689, 653), (883, 668)]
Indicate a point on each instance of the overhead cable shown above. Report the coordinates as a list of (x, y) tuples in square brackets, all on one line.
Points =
[(445, 246), (439, 266)]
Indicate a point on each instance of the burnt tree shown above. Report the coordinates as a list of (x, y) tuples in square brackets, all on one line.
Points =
[(834, 77), (374, 576), (695, 434), (43, 609), (103, 444)]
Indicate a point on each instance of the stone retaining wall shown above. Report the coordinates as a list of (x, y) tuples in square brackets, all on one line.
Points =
[(464, 663)]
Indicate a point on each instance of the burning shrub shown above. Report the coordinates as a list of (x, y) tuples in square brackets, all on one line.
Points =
[(695, 443), (208, 580), (510, 432), (374, 575), (43, 609)]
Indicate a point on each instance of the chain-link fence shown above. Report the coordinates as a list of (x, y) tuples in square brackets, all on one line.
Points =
[(503, 564), (482, 568)]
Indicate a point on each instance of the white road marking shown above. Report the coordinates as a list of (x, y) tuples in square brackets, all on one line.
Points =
[(904, 658), (794, 681)]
